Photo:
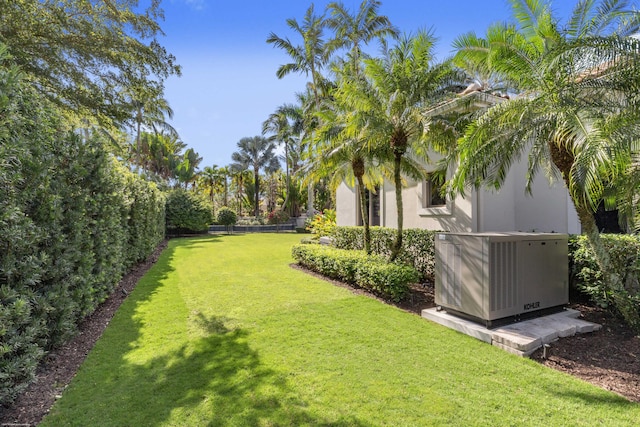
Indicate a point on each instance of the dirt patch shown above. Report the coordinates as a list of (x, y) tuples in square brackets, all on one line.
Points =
[(608, 358)]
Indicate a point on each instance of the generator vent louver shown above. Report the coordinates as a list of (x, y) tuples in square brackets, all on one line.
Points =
[(490, 276), (503, 275)]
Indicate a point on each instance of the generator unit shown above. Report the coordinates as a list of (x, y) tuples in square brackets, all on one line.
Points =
[(501, 276)]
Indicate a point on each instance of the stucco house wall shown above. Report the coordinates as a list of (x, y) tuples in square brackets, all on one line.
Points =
[(548, 209)]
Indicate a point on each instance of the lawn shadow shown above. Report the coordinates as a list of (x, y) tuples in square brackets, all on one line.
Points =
[(214, 379), (222, 377), (597, 398)]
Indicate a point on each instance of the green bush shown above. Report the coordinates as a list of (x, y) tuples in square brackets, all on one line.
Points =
[(418, 245), (227, 217), (586, 276), (72, 222), (370, 272), (187, 212)]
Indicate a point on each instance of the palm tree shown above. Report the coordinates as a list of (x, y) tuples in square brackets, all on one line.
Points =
[(343, 156), (212, 179), (574, 116), (351, 31), (256, 152), (388, 101), (186, 170), (224, 172), (239, 175), (311, 56), (285, 124), (308, 59), (149, 113)]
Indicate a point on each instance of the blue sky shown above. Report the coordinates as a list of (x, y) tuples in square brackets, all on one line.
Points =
[(229, 87)]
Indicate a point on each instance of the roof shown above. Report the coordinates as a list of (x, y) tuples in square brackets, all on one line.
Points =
[(471, 98)]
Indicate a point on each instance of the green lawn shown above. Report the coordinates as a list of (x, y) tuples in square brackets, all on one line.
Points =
[(222, 332)]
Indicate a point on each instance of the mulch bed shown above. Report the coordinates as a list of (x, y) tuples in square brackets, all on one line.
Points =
[(608, 358)]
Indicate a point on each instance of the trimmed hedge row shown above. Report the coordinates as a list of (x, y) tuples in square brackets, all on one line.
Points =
[(418, 245), (355, 267), (72, 222), (586, 276)]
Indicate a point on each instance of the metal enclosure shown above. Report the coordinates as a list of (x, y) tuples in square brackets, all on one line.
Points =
[(490, 276)]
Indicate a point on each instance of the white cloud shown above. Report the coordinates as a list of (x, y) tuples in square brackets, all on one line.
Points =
[(193, 4)]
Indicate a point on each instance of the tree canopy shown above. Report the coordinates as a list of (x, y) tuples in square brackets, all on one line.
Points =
[(83, 55)]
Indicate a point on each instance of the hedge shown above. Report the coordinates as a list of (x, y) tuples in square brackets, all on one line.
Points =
[(586, 276), (72, 222), (418, 245), (355, 267)]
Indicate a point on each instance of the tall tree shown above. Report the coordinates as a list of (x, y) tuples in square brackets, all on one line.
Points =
[(150, 113), (354, 30), (258, 153), (342, 155), (285, 126), (186, 170), (209, 181), (388, 104), (239, 175), (309, 59), (578, 117), (83, 54)]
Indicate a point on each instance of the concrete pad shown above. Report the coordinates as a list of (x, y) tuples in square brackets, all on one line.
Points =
[(461, 325), (534, 329), (583, 327), (567, 312), (521, 338), (514, 351)]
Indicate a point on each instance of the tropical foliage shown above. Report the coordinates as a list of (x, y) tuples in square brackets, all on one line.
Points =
[(577, 117), (89, 57), (187, 212), (256, 153), (72, 222)]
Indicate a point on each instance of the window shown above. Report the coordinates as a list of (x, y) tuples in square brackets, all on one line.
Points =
[(431, 195)]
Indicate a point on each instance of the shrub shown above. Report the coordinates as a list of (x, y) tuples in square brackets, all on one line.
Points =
[(418, 245), (72, 222), (250, 220), (370, 272), (227, 217), (322, 224), (586, 276), (277, 217), (187, 212)]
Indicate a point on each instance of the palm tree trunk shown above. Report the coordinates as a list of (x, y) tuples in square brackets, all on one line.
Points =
[(226, 191), (563, 160), (286, 197), (397, 181), (364, 209), (621, 298), (256, 208)]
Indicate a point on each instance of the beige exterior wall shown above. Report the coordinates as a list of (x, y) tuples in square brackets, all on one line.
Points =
[(510, 209), (346, 205)]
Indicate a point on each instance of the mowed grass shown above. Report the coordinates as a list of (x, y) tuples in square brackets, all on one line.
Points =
[(222, 332)]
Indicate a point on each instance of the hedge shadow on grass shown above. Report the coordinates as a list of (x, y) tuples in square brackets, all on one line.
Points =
[(217, 375)]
